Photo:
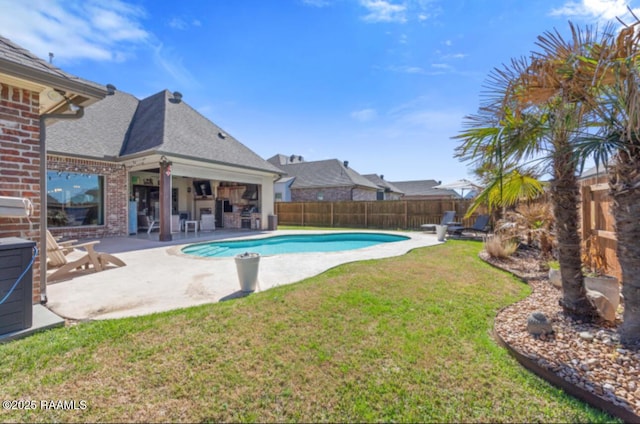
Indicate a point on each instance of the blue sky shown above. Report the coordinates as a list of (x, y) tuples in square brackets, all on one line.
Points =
[(384, 84)]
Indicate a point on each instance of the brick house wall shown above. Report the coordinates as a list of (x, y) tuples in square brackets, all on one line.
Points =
[(20, 164), (116, 197), (331, 194), (361, 194)]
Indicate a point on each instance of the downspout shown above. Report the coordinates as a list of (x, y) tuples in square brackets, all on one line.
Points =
[(43, 194)]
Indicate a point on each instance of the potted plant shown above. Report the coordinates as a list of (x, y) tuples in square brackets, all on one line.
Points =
[(595, 265)]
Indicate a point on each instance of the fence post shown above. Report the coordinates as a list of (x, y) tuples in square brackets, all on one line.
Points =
[(332, 214), (406, 216), (302, 215), (366, 218)]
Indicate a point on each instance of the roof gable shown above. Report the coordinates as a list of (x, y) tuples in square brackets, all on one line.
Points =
[(101, 131), (423, 188), (123, 126), (382, 183), (325, 173)]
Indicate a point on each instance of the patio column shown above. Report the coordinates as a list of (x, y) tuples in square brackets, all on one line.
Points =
[(165, 199)]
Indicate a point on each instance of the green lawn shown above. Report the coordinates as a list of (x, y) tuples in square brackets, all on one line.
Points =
[(399, 339)]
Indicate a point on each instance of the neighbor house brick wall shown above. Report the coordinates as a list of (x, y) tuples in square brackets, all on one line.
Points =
[(20, 164), (363, 194), (331, 194), (116, 197)]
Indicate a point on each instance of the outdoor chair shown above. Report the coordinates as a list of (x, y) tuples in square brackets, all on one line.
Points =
[(147, 223), (447, 219), (480, 226), (67, 259)]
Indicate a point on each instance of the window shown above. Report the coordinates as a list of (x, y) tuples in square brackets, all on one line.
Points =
[(278, 197), (320, 195), (74, 199)]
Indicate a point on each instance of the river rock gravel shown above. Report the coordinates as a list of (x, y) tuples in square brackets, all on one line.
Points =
[(587, 355)]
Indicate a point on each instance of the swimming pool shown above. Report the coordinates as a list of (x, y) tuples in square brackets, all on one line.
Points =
[(294, 243)]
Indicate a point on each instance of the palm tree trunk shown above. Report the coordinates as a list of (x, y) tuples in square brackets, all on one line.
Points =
[(625, 189), (564, 196)]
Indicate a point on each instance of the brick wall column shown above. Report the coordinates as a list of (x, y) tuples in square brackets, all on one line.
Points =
[(20, 164)]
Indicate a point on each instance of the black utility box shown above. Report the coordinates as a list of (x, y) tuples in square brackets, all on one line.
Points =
[(16, 312)]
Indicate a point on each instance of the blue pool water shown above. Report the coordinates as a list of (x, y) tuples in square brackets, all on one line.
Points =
[(297, 243)]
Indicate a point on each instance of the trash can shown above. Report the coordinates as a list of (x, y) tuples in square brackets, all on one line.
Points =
[(273, 222), (247, 266), (441, 231)]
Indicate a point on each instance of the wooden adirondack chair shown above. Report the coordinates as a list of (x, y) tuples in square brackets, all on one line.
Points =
[(66, 259)]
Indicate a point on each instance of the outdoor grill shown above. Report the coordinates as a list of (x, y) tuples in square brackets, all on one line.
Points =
[(245, 216)]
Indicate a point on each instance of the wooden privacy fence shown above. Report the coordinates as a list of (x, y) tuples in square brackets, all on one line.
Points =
[(387, 214), (598, 221)]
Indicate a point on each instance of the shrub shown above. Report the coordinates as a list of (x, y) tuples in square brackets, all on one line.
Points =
[(496, 247), (531, 224)]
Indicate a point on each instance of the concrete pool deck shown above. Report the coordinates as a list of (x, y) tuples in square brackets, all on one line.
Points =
[(162, 278)]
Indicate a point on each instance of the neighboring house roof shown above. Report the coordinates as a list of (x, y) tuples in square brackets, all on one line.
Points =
[(286, 180), (423, 188), (19, 63), (382, 183), (121, 126), (325, 173), (281, 159), (594, 171)]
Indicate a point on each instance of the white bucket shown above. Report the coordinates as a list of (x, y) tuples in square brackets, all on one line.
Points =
[(247, 266), (441, 232)]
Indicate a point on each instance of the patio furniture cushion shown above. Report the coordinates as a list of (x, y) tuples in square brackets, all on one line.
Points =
[(447, 219), (479, 226)]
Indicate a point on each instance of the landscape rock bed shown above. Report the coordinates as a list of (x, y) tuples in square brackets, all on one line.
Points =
[(587, 356)]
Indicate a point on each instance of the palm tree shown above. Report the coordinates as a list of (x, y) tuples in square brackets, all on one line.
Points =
[(615, 67), (536, 110)]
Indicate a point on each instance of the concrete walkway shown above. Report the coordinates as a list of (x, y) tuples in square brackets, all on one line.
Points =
[(162, 278)]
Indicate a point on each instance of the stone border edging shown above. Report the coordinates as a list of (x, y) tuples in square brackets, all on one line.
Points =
[(596, 401), (575, 391)]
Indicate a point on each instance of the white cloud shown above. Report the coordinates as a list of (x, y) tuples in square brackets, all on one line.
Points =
[(172, 64), (407, 69), (454, 56), (182, 24), (96, 30), (606, 10), (93, 30), (177, 23), (316, 3), (364, 115), (398, 11), (384, 11)]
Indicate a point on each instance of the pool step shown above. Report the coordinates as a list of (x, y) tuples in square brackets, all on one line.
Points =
[(208, 250)]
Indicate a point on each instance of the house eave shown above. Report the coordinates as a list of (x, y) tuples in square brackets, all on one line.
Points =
[(89, 93)]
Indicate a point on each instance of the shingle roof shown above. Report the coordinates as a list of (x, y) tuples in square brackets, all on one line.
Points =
[(17, 61), (594, 171), (121, 126), (382, 183), (423, 188), (325, 173), (101, 131)]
